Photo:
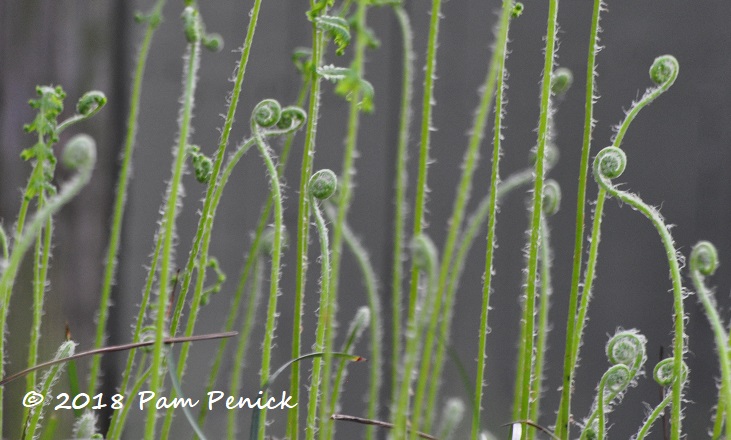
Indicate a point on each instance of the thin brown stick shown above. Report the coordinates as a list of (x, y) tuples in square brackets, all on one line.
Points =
[(378, 423), (114, 348)]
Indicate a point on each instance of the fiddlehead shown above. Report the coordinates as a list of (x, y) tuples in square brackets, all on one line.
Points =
[(321, 186), (663, 72), (551, 197), (561, 80), (704, 258), (704, 262), (626, 351), (551, 205), (576, 328), (664, 376), (80, 155), (280, 121), (609, 164), (202, 164), (90, 103), (266, 114)]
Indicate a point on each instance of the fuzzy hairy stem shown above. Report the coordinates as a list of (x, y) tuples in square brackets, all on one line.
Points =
[(167, 227), (375, 325), (562, 421), (303, 227), (572, 348), (703, 262), (497, 72), (678, 381), (537, 207), (324, 320), (120, 198), (397, 274), (402, 405)]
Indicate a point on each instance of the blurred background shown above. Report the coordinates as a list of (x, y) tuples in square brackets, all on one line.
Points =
[(678, 150)]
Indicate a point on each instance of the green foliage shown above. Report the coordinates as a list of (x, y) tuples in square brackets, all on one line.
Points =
[(420, 337), (336, 28)]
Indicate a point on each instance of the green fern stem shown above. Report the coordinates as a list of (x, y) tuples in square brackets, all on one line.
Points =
[(407, 78), (168, 226), (199, 289), (663, 84), (498, 73), (205, 224), (203, 233), (656, 414), (543, 324), (474, 225), (276, 191), (603, 179), (244, 336), (324, 320), (703, 262), (303, 227), (375, 325), (402, 405), (470, 161), (42, 255), (119, 417), (537, 208), (344, 200), (251, 259), (27, 237), (140, 380), (562, 422), (120, 199)]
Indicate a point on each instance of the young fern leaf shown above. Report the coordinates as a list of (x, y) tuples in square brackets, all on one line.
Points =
[(626, 351), (295, 118), (79, 154), (336, 28), (321, 186), (704, 262), (665, 68), (663, 375), (353, 84), (609, 164), (266, 115)]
